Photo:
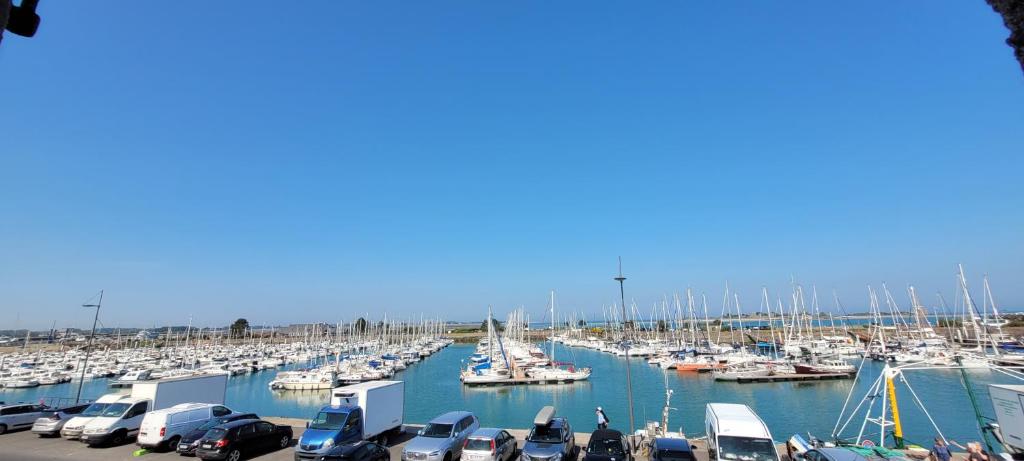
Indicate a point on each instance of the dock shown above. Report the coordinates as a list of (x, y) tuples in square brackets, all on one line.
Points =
[(523, 382), (785, 377)]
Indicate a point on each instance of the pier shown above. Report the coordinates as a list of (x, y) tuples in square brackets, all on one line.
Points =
[(785, 377)]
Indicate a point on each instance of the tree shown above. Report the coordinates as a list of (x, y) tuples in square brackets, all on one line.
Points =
[(581, 323), (238, 328), (494, 322), (360, 325)]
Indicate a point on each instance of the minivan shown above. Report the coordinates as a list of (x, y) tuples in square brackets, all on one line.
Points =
[(164, 428), (735, 432)]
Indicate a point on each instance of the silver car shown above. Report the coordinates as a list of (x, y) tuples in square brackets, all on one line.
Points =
[(442, 438), (50, 423), (19, 416), (489, 444)]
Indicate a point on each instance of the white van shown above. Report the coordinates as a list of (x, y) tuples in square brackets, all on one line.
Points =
[(119, 421), (166, 427), (73, 428), (735, 432)]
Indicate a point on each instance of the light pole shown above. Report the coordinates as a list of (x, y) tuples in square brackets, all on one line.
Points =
[(629, 378), (88, 348)]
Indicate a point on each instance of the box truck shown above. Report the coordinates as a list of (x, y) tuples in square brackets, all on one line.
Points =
[(1008, 403), (122, 419), (364, 411)]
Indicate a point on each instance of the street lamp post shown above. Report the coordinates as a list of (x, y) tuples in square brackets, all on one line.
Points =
[(629, 378), (88, 348)]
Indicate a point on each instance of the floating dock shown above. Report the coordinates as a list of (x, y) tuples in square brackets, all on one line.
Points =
[(784, 377), (522, 382)]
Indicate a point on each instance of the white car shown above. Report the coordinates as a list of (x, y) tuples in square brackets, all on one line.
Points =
[(72, 429), (164, 428), (119, 421), (19, 416)]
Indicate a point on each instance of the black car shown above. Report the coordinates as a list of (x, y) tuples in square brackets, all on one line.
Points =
[(188, 443), (663, 449), (359, 451), (607, 445), (230, 441)]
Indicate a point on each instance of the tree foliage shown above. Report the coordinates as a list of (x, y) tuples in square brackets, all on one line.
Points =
[(238, 328)]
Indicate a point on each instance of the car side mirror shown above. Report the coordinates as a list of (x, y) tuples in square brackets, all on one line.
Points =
[(307, 424)]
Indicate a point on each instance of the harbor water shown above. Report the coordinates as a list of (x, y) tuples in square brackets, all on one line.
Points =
[(432, 387)]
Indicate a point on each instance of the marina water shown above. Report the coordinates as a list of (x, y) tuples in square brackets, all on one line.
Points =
[(432, 387)]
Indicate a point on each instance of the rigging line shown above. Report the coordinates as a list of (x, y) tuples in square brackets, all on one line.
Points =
[(863, 359), (921, 406), (857, 409)]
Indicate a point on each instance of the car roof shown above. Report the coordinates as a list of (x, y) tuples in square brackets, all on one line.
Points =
[(606, 434), (665, 443), (451, 417), (236, 423), (840, 454), (736, 419), (488, 432)]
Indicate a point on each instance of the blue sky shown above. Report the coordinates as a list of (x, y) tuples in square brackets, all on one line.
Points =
[(338, 158)]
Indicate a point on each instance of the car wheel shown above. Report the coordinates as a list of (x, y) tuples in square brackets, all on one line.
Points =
[(382, 440), (448, 456), (3, 428), (172, 444), (285, 441), (118, 438), (235, 455)]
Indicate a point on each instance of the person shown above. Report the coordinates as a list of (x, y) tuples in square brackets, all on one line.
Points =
[(975, 453), (940, 452), (602, 419)]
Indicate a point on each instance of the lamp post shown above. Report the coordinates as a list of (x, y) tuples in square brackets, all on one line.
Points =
[(88, 348), (629, 379)]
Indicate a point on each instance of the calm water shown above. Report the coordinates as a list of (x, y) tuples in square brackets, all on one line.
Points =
[(432, 387)]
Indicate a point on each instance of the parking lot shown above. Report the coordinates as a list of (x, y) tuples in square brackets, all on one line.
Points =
[(24, 445)]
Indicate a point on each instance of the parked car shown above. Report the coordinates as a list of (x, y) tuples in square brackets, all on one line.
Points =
[(358, 451), (73, 428), (664, 449), (231, 441), (607, 445), (442, 438), (164, 428), (51, 422), (736, 432), (119, 421), (550, 439), (190, 441), (489, 444), (19, 416), (832, 454)]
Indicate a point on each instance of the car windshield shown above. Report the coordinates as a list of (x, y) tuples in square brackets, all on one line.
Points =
[(545, 434), (746, 449), (674, 455), (115, 409), (95, 409), (478, 444), (607, 447), (437, 430), (215, 434), (328, 421)]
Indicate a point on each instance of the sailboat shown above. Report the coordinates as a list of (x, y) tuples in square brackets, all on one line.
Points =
[(482, 367), (554, 371)]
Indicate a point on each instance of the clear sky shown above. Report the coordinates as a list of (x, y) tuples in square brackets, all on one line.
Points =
[(304, 161)]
